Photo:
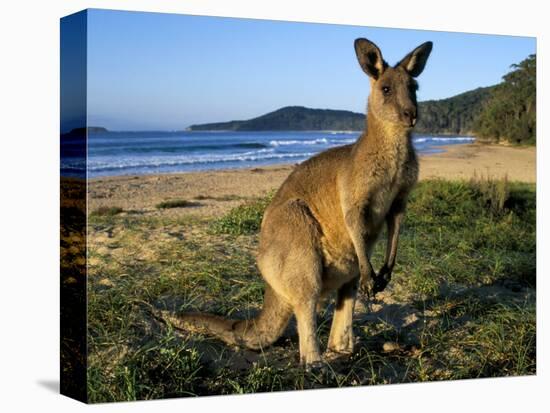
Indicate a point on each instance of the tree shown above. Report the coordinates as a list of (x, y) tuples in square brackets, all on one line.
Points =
[(510, 112)]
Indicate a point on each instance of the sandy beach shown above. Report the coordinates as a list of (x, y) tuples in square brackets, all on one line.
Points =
[(215, 192)]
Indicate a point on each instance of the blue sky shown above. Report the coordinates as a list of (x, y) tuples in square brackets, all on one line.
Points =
[(154, 71), (73, 72)]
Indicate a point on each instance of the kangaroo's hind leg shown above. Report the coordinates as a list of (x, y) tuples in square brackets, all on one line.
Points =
[(291, 263), (341, 332)]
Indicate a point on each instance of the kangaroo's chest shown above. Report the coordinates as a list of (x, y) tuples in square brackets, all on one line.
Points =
[(393, 177), (379, 206)]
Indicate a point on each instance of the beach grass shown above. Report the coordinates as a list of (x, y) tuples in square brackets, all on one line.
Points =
[(461, 303), (231, 197), (175, 203), (244, 219), (107, 211)]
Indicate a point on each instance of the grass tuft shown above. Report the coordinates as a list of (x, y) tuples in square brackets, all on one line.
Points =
[(245, 219), (175, 203), (493, 193), (107, 211), (219, 198)]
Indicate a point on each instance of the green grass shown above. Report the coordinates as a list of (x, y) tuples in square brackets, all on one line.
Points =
[(219, 198), (467, 234), (107, 211), (465, 280), (244, 219), (175, 203)]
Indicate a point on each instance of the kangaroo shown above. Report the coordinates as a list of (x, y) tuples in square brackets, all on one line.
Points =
[(318, 233)]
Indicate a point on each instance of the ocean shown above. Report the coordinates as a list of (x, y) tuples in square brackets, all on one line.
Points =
[(138, 153)]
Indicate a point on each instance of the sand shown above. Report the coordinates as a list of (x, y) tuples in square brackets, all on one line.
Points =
[(215, 192), (465, 161)]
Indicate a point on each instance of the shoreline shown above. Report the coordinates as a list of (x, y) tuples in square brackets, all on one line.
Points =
[(198, 154), (214, 192)]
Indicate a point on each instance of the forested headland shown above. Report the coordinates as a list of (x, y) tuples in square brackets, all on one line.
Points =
[(503, 112)]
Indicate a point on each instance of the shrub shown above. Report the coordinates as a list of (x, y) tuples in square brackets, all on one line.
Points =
[(244, 219)]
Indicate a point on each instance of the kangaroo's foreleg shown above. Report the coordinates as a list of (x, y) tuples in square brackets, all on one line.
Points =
[(357, 224), (393, 221)]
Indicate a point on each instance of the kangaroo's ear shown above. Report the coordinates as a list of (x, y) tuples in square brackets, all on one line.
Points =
[(370, 58), (415, 61)]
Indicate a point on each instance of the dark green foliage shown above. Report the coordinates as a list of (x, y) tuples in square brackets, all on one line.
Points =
[(452, 116), (510, 113)]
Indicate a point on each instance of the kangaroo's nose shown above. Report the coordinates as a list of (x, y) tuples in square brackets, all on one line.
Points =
[(410, 114)]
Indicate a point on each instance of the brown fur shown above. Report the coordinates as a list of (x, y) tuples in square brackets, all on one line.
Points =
[(318, 232)]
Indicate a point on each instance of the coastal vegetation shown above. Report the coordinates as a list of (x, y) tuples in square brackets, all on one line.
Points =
[(510, 112), (452, 116)]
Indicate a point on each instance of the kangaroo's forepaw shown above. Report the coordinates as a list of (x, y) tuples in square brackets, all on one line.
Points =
[(382, 280), (367, 286)]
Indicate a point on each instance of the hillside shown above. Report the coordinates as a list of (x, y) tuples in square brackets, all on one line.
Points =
[(453, 116), (293, 118)]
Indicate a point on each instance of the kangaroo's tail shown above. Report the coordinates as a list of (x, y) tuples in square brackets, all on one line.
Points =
[(255, 333)]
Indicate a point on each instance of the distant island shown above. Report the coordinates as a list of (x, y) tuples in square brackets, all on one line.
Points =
[(80, 131), (452, 116)]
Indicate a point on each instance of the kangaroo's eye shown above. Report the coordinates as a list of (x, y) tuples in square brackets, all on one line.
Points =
[(386, 90)]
